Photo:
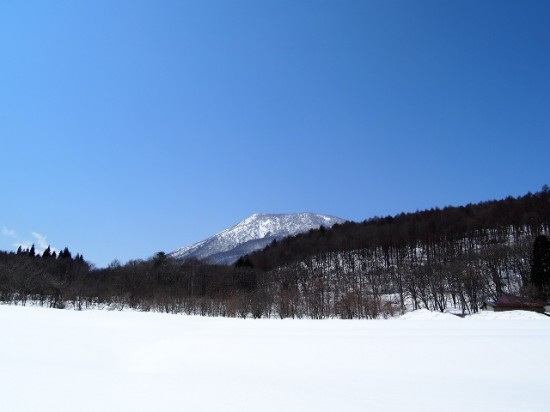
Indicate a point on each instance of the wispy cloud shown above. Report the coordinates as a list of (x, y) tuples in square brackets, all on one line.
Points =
[(41, 240), (22, 245), (9, 232)]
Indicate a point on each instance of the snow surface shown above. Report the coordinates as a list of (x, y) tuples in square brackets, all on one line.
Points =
[(425, 314), (59, 360)]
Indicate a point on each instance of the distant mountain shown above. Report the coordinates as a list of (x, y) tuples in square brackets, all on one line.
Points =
[(253, 233)]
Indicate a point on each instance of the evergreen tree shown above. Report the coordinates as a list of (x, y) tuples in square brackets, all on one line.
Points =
[(159, 259), (540, 273), (47, 253), (65, 254)]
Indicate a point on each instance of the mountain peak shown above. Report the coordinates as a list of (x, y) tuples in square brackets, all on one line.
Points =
[(253, 233)]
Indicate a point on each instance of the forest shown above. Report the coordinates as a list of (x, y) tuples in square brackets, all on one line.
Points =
[(451, 258)]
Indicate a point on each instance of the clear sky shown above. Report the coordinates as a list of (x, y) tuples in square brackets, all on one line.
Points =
[(132, 127)]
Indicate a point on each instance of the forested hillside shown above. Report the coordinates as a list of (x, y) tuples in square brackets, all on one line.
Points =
[(455, 257), (459, 256)]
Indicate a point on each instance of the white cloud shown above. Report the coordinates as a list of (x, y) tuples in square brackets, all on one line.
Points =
[(9, 232), (22, 245), (42, 243), (41, 240)]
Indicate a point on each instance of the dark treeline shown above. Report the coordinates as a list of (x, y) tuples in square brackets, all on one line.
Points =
[(530, 212), (453, 257), (47, 278), (157, 284)]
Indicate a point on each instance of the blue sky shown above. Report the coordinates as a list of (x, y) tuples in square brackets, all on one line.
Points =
[(131, 127)]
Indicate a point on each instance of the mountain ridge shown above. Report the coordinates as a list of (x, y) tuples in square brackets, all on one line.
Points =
[(251, 234)]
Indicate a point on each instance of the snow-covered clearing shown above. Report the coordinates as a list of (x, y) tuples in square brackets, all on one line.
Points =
[(59, 360)]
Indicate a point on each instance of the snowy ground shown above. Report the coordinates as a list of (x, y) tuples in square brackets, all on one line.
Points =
[(57, 360)]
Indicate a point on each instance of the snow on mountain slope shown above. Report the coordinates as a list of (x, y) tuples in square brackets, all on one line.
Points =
[(252, 234)]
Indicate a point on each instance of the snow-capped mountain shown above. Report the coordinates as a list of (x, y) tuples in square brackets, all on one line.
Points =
[(252, 234)]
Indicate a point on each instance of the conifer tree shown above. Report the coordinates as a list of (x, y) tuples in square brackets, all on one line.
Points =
[(540, 274), (47, 252)]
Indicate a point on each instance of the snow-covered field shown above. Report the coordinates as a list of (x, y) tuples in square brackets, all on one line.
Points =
[(57, 360)]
